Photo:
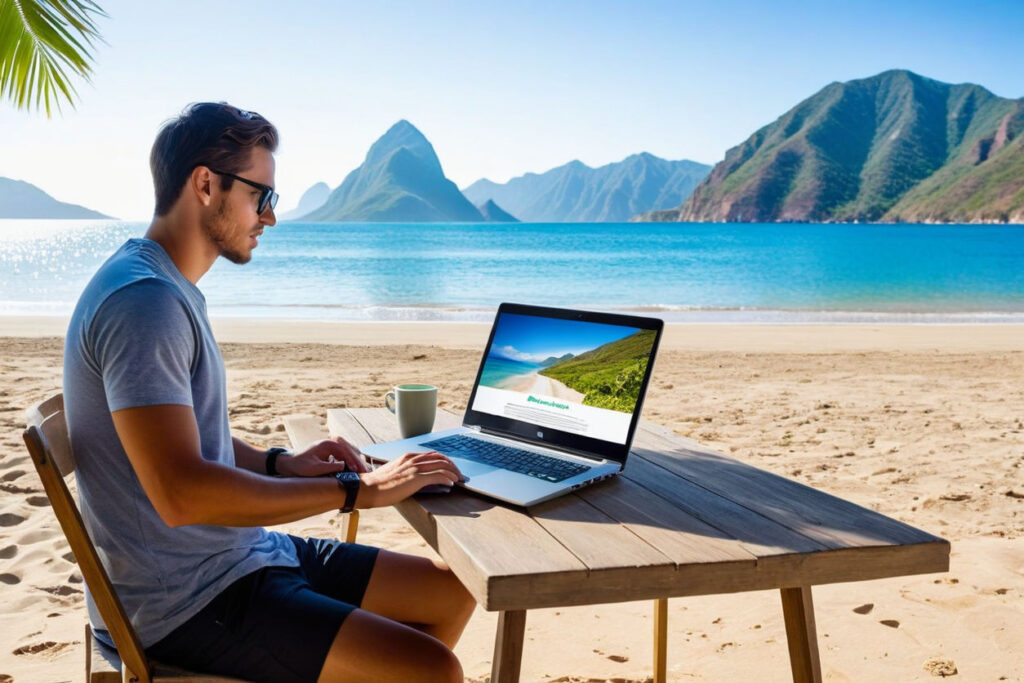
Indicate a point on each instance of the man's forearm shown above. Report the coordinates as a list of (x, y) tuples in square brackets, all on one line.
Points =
[(249, 457), (225, 496)]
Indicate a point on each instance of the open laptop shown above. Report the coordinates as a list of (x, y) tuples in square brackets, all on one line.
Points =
[(554, 407)]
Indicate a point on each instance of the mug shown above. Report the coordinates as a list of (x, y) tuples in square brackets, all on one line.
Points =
[(415, 406)]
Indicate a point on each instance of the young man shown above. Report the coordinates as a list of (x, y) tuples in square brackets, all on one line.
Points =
[(176, 506)]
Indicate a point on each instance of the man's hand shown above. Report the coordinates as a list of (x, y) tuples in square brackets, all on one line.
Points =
[(399, 479), (324, 457)]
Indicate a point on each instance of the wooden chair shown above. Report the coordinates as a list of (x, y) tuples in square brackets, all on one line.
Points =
[(47, 440), (304, 430)]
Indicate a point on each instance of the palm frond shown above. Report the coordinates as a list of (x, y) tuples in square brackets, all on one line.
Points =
[(43, 43)]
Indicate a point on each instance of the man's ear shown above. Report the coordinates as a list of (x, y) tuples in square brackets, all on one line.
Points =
[(200, 182)]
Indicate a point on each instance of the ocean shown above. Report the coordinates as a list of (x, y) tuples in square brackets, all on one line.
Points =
[(455, 271)]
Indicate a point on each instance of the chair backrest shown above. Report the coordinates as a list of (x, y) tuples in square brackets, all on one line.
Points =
[(47, 440)]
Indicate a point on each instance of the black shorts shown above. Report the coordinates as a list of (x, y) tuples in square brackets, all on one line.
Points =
[(278, 623)]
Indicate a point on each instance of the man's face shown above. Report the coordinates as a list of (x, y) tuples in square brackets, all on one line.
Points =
[(235, 226)]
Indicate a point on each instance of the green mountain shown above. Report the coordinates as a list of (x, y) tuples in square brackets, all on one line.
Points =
[(19, 199), (893, 147), (610, 375), (311, 199), (400, 180), (576, 192), (495, 214)]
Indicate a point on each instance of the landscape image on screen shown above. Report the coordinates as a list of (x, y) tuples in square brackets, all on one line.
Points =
[(587, 363)]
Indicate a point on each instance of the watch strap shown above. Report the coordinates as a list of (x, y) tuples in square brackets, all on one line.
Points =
[(271, 456), (350, 483)]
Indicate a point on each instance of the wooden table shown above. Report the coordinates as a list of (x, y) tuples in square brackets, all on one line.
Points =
[(680, 520)]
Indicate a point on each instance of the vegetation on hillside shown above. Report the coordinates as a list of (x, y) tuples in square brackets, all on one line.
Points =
[(611, 375)]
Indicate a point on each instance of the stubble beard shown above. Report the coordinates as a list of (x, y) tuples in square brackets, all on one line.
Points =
[(219, 230)]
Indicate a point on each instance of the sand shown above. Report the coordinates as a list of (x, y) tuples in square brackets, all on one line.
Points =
[(545, 386), (924, 423)]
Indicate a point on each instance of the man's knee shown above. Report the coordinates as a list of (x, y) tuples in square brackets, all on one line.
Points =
[(447, 666)]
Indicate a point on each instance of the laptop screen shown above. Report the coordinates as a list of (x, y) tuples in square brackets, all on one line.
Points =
[(569, 378)]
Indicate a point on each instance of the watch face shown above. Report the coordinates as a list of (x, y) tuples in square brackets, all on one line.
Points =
[(349, 478)]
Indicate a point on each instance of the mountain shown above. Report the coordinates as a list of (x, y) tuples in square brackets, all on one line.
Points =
[(893, 147), (495, 214), (19, 199), (400, 180), (576, 192), (311, 199), (551, 360)]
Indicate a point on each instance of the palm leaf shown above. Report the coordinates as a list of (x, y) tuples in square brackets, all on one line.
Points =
[(43, 43)]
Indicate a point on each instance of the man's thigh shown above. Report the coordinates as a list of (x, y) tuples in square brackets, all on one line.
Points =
[(411, 589)]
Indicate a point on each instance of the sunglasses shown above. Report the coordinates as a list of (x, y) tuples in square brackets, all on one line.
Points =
[(268, 198)]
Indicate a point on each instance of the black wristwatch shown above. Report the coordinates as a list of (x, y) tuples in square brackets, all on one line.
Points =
[(349, 482), (271, 455)]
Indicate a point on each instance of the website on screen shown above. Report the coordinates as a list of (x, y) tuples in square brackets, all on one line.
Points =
[(578, 377)]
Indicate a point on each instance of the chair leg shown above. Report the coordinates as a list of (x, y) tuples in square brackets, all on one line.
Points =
[(660, 640), (352, 526), (88, 653)]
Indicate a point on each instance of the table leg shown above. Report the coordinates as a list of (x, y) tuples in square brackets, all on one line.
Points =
[(508, 647), (660, 640), (798, 612)]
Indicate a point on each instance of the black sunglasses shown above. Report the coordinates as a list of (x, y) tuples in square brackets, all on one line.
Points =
[(268, 198)]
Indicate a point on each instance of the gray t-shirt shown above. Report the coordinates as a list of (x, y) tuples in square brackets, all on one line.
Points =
[(140, 336)]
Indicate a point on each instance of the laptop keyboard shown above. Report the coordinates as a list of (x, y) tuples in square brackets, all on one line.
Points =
[(507, 457)]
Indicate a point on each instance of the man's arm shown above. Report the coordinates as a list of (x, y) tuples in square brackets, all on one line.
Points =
[(162, 443), (319, 459)]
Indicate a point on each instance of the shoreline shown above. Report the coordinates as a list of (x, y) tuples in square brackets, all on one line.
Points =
[(732, 337)]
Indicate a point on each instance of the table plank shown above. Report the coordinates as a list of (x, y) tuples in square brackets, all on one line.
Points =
[(830, 520)]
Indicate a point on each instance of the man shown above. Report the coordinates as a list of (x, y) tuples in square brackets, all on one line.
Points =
[(176, 506)]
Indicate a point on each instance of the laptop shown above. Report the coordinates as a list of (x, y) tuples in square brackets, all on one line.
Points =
[(556, 402)]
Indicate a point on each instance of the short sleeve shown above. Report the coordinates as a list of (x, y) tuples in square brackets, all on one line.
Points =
[(145, 343)]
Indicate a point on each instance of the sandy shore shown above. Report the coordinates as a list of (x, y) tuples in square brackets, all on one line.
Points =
[(545, 386), (924, 423)]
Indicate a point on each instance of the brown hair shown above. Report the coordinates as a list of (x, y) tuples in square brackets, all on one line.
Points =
[(212, 134)]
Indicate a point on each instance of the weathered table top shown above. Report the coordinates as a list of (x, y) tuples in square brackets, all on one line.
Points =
[(680, 520)]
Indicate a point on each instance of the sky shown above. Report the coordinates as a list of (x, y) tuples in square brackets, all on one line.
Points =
[(532, 339), (499, 88)]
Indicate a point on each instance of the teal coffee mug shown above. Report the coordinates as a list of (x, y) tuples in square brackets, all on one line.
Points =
[(415, 406)]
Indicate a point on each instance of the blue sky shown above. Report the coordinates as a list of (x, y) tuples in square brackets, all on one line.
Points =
[(532, 339), (499, 88)]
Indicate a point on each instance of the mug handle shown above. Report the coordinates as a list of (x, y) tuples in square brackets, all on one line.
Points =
[(389, 401)]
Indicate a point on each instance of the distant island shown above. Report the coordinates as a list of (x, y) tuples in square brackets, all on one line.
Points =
[(896, 147), (400, 180), (19, 199), (577, 193), (311, 199), (495, 214)]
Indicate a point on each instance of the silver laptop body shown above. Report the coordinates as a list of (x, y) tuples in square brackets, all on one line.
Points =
[(559, 383)]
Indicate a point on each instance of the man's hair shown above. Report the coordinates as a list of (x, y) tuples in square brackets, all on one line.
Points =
[(212, 134)]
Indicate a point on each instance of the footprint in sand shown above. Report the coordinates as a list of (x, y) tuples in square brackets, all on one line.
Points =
[(10, 476), (62, 591), (10, 579), (8, 552), (864, 609), (10, 519), (38, 501), (6, 678), (891, 623)]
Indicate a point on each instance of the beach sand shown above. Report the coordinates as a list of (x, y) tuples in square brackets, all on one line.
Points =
[(545, 386), (923, 423)]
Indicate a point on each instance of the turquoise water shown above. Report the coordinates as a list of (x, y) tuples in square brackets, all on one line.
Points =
[(502, 372), (679, 271)]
